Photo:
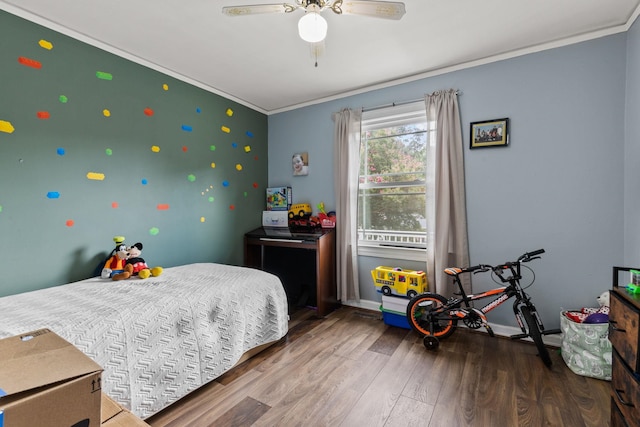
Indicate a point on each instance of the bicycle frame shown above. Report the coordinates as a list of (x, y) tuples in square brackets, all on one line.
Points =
[(453, 310)]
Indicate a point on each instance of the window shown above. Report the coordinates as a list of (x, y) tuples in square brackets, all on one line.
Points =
[(392, 182)]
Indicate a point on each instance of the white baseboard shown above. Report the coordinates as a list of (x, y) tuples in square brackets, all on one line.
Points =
[(500, 330)]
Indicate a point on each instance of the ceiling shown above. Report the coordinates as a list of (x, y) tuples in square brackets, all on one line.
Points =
[(259, 60)]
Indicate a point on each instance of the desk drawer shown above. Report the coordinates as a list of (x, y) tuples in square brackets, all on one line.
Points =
[(624, 325), (626, 391)]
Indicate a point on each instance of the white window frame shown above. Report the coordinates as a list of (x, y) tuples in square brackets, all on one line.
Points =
[(382, 118)]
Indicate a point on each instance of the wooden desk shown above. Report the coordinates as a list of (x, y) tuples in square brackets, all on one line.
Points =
[(297, 258)]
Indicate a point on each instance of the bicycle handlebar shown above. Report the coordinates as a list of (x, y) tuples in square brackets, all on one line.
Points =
[(528, 256)]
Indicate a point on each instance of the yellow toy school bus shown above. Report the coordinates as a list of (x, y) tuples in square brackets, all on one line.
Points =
[(396, 281)]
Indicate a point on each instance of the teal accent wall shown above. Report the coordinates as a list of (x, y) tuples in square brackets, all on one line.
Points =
[(93, 146)]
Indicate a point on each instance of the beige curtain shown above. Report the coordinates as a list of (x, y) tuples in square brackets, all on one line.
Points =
[(346, 163), (447, 242)]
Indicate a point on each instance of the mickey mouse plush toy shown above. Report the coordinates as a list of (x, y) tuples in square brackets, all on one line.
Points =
[(136, 266)]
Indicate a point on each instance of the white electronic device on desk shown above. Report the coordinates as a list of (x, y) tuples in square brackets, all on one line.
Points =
[(275, 218)]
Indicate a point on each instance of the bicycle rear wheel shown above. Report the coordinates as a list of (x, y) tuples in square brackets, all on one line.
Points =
[(536, 335), (422, 316)]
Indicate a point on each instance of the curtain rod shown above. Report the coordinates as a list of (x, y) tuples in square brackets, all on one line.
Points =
[(393, 104), (397, 104)]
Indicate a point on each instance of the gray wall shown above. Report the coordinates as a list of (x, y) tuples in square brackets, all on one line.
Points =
[(558, 186), (40, 248), (632, 151)]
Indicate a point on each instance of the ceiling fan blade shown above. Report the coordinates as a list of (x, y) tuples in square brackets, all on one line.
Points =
[(255, 9), (376, 9)]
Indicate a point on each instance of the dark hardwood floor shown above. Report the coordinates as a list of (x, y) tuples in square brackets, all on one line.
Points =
[(350, 369)]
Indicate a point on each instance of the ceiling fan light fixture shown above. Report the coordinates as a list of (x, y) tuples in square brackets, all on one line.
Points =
[(312, 27)]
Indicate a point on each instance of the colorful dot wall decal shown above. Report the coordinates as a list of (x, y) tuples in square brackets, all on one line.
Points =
[(60, 151), (234, 144), (225, 183), (45, 44), (238, 167), (255, 185), (0, 208), (155, 149), (154, 231), (247, 149), (191, 178), (6, 127), (212, 148), (184, 148), (225, 129), (232, 207), (211, 199), (114, 205), (163, 207), (202, 219), (198, 110), (148, 112), (95, 176), (103, 75), (29, 62), (229, 112), (213, 165), (249, 134), (53, 195), (43, 115), (108, 151), (144, 181), (106, 113), (70, 223), (63, 99), (165, 86), (187, 128)]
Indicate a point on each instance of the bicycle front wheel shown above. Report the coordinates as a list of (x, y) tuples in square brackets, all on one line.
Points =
[(536, 335), (425, 317)]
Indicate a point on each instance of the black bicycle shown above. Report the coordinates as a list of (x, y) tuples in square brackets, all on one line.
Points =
[(436, 317)]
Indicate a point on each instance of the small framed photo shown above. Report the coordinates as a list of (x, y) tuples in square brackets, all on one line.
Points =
[(300, 164), (490, 133)]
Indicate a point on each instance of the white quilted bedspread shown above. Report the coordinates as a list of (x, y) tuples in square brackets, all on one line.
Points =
[(162, 337)]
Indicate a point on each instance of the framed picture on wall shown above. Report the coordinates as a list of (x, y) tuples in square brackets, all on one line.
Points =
[(490, 133), (300, 164)]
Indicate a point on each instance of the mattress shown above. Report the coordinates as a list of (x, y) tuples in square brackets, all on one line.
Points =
[(158, 338)]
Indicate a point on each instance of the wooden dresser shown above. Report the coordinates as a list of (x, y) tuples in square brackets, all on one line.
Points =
[(624, 334)]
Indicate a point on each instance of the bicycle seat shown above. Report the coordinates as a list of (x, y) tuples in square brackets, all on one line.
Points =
[(453, 271)]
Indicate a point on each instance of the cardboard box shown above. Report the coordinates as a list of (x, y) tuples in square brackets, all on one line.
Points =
[(114, 415), (46, 381)]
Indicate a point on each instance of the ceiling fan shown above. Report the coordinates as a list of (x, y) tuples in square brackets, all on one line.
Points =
[(312, 27)]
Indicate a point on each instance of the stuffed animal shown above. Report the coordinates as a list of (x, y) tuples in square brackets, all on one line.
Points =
[(116, 261), (592, 314), (135, 265)]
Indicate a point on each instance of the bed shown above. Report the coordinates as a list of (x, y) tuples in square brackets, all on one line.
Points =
[(159, 338)]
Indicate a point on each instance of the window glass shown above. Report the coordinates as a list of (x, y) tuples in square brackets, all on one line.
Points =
[(392, 178)]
